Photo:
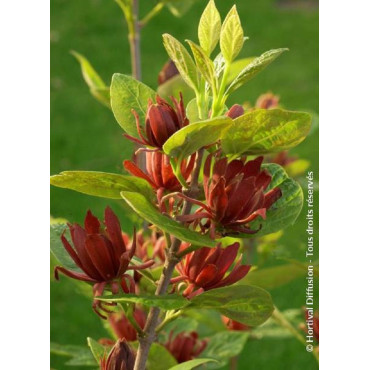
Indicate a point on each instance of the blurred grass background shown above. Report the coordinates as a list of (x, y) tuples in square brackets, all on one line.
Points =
[(84, 134)]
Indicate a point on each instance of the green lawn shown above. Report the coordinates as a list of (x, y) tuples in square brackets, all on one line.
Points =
[(84, 134)]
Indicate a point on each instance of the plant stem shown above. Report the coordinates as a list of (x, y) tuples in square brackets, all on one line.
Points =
[(134, 40), (234, 363), (146, 340), (151, 14)]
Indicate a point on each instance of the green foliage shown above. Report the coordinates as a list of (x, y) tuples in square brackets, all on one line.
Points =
[(146, 210), (256, 66), (236, 67), (232, 36), (79, 355), (224, 345), (192, 364), (97, 86), (101, 184), (285, 210), (129, 94), (265, 131), (179, 7), (57, 248), (97, 349), (173, 87), (166, 302), (209, 28), (249, 305), (183, 61), (195, 136)]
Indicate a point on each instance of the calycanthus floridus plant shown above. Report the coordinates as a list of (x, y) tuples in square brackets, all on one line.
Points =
[(204, 188)]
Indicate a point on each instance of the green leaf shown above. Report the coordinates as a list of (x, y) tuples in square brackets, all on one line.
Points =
[(273, 277), (97, 349), (144, 208), (97, 86), (192, 112), (80, 356), (236, 67), (173, 87), (57, 248), (249, 305), (182, 60), (209, 28), (266, 131), (256, 66), (159, 358), (180, 325), (166, 302), (127, 94), (232, 36), (188, 365), (195, 136), (285, 210), (179, 7), (204, 64), (223, 346), (101, 184)]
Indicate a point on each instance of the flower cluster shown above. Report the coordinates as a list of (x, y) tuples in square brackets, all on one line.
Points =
[(122, 327)]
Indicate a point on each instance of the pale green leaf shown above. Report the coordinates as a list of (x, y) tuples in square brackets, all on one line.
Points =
[(79, 355), (129, 94), (166, 302), (232, 36), (195, 136), (265, 131), (97, 349), (256, 66), (192, 364), (209, 28), (182, 59), (144, 208), (173, 87)]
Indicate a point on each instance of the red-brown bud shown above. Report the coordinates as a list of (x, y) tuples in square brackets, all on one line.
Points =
[(120, 357), (168, 71), (122, 326), (235, 325), (235, 111), (267, 101)]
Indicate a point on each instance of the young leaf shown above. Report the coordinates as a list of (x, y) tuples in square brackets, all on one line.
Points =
[(166, 302), (173, 87), (97, 86), (236, 67), (249, 305), (285, 210), (79, 355), (209, 28), (223, 346), (256, 66), (97, 349), (232, 36), (266, 131), (127, 94), (182, 60), (204, 64), (101, 184), (144, 208), (193, 137), (159, 358), (192, 364)]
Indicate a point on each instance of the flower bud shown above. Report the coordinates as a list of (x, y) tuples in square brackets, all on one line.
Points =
[(235, 111), (120, 357), (168, 71)]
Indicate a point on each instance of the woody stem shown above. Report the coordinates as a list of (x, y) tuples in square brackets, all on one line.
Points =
[(146, 340)]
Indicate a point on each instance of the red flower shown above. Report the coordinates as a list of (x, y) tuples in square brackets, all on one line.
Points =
[(185, 346), (168, 71), (205, 269), (235, 196), (102, 256), (267, 101), (120, 357), (235, 325), (235, 111), (283, 158), (122, 326), (159, 172), (161, 122)]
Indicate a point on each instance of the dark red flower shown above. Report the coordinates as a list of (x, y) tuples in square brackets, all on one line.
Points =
[(235, 325), (159, 172), (283, 158), (161, 122), (235, 196), (205, 269), (267, 101), (122, 326), (168, 71), (235, 111), (102, 255), (185, 346), (120, 357)]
